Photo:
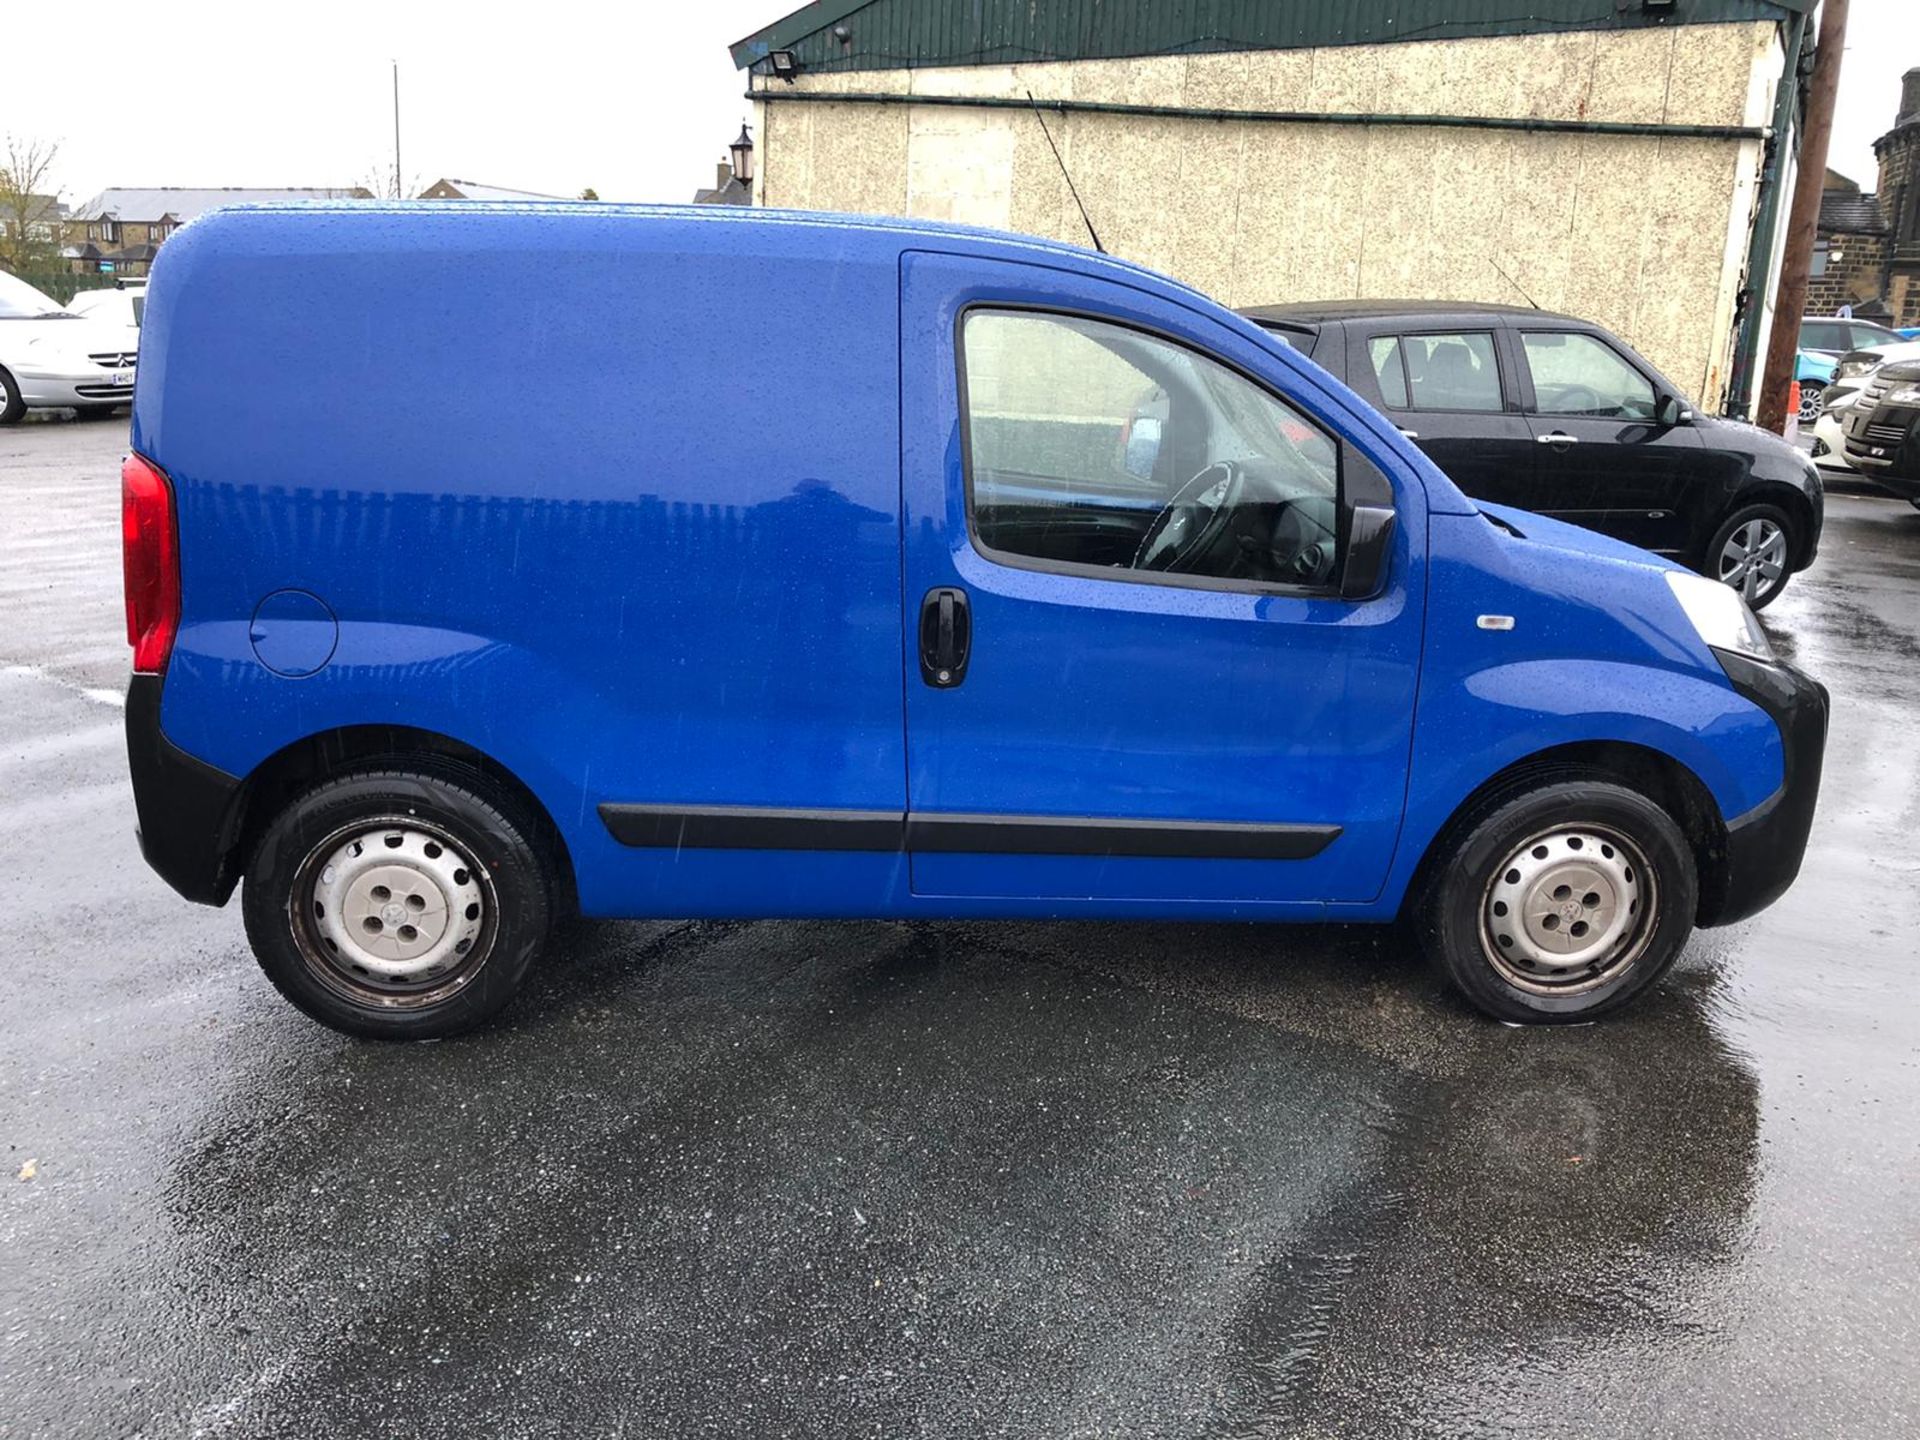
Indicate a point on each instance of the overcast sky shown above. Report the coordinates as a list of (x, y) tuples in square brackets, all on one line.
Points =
[(637, 101)]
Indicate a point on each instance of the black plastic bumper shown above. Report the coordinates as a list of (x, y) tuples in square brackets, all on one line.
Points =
[(187, 809), (1765, 846)]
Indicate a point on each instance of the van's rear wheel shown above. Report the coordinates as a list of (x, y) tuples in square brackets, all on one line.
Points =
[(1561, 902), (397, 905)]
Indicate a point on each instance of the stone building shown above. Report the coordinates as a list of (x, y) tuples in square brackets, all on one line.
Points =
[(1868, 252), (119, 231), (1609, 158), (450, 189)]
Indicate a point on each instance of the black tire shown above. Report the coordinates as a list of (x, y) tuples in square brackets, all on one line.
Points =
[(12, 405), (1767, 592), (473, 851), (1453, 915)]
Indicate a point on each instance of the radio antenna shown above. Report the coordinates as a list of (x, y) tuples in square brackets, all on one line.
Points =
[(1071, 189), (1513, 282)]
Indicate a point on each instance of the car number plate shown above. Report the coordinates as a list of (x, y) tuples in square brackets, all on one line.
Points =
[(121, 377)]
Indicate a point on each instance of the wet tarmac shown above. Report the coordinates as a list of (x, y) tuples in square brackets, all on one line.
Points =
[(883, 1179)]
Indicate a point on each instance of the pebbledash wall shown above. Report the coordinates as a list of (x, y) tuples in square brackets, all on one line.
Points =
[(1647, 235)]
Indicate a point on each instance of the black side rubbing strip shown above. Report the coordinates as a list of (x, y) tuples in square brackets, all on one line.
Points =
[(731, 827), (739, 827), (1069, 835)]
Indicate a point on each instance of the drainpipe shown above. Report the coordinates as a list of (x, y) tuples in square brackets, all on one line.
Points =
[(1766, 223)]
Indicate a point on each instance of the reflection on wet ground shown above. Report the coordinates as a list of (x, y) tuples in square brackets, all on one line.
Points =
[(880, 1179)]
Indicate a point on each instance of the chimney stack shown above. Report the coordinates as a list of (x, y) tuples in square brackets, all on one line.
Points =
[(1909, 97), (723, 172)]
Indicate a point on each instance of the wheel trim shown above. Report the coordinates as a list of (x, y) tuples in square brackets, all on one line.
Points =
[(355, 939), (1754, 558), (1569, 910)]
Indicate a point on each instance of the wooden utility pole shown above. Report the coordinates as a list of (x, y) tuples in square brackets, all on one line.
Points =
[(1803, 221)]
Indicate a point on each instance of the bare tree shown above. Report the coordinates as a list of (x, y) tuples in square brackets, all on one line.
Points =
[(589, 193), (380, 183), (29, 208)]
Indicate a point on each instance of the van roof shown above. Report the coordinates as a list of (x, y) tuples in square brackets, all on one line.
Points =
[(881, 230)]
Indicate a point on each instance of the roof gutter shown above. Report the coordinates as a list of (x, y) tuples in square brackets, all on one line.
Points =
[(1273, 117)]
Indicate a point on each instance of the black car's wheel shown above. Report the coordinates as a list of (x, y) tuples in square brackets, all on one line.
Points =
[(398, 905), (1559, 902), (12, 405), (1753, 552)]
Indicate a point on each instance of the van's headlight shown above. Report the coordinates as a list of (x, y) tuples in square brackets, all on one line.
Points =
[(1847, 369), (1720, 615)]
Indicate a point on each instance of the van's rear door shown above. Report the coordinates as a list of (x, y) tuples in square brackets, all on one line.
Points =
[(1078, 726)]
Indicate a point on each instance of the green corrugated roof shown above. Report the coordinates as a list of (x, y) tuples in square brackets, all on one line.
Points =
[(889, 34)]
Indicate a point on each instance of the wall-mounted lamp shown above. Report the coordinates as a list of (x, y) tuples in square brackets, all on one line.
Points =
[(785, 66), (742, 152)]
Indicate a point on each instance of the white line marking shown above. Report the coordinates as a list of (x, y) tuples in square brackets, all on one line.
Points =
[(115, 698)]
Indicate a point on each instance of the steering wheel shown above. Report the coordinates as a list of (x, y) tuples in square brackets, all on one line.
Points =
[(1193, 520), (1570, 394)]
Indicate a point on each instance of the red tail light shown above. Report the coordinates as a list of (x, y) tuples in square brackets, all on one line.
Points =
[(151, 549)]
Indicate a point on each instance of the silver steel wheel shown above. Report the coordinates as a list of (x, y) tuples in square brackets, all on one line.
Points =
[(1811, 398), (392, 912), (1569, 911), (1755, 557)]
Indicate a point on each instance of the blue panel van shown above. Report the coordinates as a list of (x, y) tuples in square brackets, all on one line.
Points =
[(830, 566)]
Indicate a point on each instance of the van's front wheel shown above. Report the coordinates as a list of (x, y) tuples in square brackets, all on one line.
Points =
[(396, 906), (1560, 903)]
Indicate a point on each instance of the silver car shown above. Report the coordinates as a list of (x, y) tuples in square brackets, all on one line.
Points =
[(51, 358)]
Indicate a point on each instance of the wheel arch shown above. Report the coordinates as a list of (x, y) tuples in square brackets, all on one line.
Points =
[(1667, 782), (297, 767)]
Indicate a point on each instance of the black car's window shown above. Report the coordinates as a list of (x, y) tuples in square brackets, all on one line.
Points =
[(1389, 370), (1440, 372), (1096, 447), (1581, 375)]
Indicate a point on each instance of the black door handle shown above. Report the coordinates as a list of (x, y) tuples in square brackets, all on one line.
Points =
[(946, 637)]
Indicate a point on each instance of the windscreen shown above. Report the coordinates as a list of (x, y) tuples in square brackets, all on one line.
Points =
[(20, 301)]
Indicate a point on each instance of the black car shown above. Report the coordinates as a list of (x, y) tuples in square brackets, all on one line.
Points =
[(1883, 431), (1544, 412)]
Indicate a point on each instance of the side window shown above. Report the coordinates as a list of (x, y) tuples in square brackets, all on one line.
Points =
[(1824, 335), (1389, 369), (1095, 447), (1452, 372), (1580, 375)]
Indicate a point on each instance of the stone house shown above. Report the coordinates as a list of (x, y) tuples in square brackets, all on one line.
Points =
[(119, 231), (1867, 255)]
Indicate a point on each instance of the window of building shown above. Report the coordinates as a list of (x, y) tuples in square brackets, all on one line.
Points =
[(1096, 448), (1582, 375)]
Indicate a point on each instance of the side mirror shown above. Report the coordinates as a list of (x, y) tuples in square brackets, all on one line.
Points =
[(1142, 449), (1669, 410), (1368, 522)]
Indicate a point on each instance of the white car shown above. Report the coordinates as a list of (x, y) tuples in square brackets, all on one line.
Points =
[(51, 358), (119, 306), (1829, 443)]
